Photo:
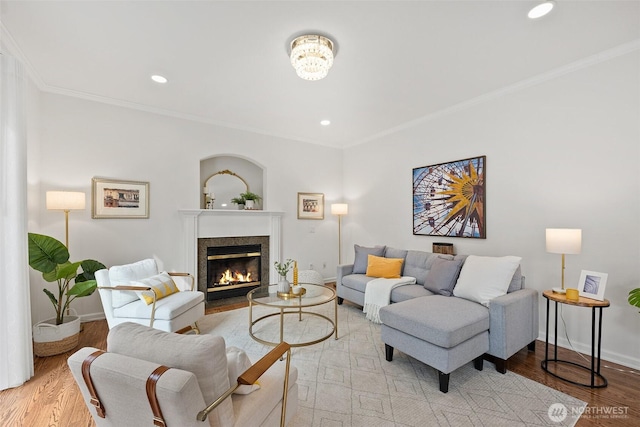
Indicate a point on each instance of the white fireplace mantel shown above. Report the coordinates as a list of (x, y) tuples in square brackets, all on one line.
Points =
[(202, 223)]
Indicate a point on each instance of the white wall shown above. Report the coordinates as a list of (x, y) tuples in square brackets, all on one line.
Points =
[(563, 153), (81, 139)]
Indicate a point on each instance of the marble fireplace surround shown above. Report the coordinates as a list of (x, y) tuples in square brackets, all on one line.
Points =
[(220, 223)]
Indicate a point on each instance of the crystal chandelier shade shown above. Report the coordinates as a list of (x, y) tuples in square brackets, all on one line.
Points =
[(312, 56)]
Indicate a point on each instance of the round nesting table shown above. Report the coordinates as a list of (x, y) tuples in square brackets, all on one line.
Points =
[(295, 304)]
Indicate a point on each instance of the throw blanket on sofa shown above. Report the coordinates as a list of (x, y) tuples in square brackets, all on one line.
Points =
[(377, 294)]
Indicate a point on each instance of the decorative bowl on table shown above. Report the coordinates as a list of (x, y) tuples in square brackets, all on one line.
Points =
[(294, 292)]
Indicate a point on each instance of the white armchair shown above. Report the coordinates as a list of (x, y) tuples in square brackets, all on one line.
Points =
[(139, 293), (130, 384)]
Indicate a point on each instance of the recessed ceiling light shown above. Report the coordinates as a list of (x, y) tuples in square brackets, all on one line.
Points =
[(541, 10), (158, 78), (325, 122)]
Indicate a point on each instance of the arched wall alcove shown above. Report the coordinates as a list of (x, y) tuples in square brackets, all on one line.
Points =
[(227, 176)]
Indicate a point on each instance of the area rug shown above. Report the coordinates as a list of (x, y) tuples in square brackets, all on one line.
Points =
[(348, 382)]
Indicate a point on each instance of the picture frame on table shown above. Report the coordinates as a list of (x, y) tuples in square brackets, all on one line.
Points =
[(592, 284), (111, 198), (310, 205)]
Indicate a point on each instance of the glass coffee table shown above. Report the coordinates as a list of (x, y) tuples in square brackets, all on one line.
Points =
[(314, 295)]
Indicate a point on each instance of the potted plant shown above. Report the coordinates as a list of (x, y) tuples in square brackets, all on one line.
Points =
[(239, 201), (283, 268), (250, 199), (634, 297), (50, 257)]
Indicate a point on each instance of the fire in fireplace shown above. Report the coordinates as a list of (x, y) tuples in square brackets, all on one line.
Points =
[(232, 268), (228, 277)]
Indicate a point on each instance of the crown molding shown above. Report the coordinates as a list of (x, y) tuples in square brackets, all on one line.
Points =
[(587, 62), (10, 44)]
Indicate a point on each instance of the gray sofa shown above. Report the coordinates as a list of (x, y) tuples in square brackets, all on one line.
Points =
[(425, 320)]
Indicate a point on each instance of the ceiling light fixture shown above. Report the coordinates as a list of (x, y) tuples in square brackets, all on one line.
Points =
[(541, 10), (311, 56), (158, 78), (325, 122)]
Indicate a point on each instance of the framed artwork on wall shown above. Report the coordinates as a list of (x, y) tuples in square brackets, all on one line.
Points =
[(310, 206), (449, 199), (119, 199), (592, 284)]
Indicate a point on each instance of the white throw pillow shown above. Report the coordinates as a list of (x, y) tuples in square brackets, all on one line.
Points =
[(485, 278), (122, 275), (237, 363)]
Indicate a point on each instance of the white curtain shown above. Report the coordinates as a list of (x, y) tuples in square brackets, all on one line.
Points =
[(16, 352)]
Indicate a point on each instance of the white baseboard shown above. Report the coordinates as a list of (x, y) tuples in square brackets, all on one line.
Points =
[(91, 317), (610, 356)]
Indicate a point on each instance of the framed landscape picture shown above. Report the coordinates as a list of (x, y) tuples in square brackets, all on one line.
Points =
[(310, 206), (449, 199), (119, 199)]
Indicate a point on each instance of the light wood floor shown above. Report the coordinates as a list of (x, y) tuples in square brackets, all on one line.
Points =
[(51, 397)]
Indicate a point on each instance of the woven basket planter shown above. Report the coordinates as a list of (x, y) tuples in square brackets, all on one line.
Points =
[(50, 339)]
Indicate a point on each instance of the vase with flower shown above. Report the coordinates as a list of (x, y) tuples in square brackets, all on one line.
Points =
[(283, 268)]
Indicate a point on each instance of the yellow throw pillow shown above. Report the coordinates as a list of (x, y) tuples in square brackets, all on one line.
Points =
[(161, 284), (388, 268)]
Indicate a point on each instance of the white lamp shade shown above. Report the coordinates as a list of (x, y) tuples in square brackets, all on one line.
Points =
[(339, 209), (564, 240), (65, 200)]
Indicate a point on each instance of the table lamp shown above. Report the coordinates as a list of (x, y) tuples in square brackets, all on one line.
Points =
[(66, 201), (563, 241), (339, 209)]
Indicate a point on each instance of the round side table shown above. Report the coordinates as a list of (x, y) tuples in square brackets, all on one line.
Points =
[(594, 369)]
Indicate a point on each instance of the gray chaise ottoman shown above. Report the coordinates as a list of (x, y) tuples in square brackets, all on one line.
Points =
[(442, 332)]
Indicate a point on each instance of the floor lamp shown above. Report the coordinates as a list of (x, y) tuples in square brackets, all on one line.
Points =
[(66, 201), (563, 241), (339, 209)]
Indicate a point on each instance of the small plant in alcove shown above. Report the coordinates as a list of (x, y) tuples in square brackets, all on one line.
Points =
[(251, 196), (251, 199)]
